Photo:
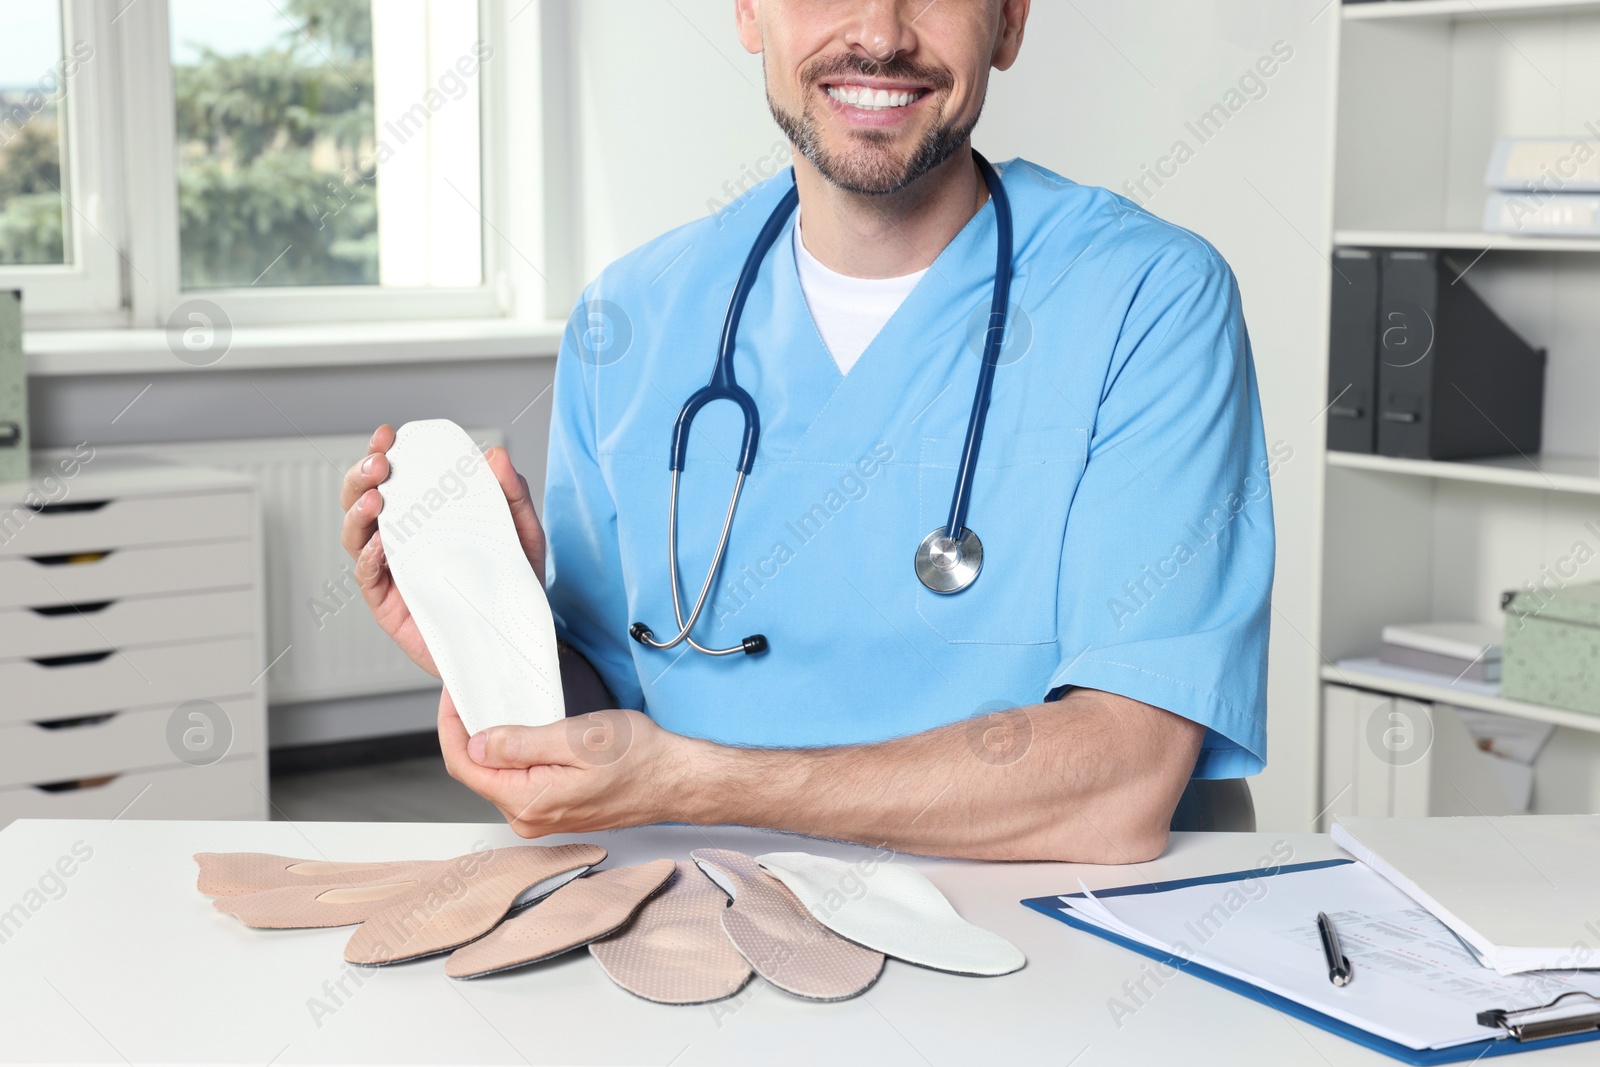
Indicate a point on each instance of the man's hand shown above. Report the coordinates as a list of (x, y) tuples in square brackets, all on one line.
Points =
[(599, 771), (1091, 778), (359, 496)]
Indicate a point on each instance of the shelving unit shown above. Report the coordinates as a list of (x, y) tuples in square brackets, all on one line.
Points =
[(1460, 698), (1424, 89), (1466, 240), (1561, 474), (1421, 10)]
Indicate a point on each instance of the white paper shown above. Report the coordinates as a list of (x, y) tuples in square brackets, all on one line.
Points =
[(1414, 982), (1506, 736), (1374, 665), (1521, 889)]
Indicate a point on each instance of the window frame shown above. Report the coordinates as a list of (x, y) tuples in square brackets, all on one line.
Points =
[(152, 173), (90, 286), (125, 164)]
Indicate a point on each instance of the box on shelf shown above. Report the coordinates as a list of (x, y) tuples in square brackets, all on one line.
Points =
[(1543, 214), (1551, 653), (1459, 649), (1545, 164)]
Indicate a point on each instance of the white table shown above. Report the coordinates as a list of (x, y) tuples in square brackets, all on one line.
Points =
[(123, 961)]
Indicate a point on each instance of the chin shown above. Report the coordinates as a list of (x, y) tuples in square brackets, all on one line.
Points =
[(866, 167)]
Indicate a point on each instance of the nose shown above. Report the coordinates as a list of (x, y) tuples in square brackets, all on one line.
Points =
[(883, 29)]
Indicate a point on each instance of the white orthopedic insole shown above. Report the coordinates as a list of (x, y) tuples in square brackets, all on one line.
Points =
[(454, 553), (893, 910)]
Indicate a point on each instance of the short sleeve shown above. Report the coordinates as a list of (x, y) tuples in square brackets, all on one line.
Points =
[(583, 563), (1166, 572)]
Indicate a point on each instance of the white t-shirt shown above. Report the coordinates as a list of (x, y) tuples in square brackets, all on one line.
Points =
[(849, 312)]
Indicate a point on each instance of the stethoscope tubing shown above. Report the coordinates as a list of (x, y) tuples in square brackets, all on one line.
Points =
[(993, 339), (724, 386)]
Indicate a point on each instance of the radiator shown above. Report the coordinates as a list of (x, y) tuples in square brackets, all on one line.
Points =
[(321, 640)]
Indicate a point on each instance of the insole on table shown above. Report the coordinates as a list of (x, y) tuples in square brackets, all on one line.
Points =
[(428, 912), (228, 874), (777, 936), (898, 912), (577, 913), (675, 951), (454, 554)]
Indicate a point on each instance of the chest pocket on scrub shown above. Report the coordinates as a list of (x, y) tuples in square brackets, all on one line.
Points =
[(1022, 490)]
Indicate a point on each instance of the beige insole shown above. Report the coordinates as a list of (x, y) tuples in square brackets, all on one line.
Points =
[(448, 911), (228, 874), (777, 936), (577, 913), (675, 951), (419, 908)]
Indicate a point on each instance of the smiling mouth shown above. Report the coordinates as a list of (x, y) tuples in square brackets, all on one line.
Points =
[(867, 98)]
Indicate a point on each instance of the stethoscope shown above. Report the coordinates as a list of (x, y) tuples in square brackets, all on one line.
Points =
[(948, 559)]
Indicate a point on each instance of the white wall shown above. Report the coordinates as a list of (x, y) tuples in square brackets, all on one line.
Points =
[(1103, 88)]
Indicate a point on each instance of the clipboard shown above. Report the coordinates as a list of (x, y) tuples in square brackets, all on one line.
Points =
[(1526, 1028)]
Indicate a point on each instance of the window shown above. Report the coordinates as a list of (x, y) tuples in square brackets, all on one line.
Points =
[(53, 220), (34, 228), (326, 142), (286, 160)]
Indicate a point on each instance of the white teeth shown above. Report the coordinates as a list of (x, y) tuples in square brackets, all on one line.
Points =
[(871, 99)]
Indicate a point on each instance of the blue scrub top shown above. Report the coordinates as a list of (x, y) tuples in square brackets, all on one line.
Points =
[(1121, 492)]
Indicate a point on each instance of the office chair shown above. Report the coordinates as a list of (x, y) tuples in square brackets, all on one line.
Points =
[(1221, 804)]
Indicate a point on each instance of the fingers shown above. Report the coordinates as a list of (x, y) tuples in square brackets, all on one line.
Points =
[(453, 740), (519, 747), (372, 574), (382, 439), (371, 470), (358, 493), (506, 793), (361, 520)]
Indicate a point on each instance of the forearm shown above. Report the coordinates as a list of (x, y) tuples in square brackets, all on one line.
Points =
[(1093, 777)]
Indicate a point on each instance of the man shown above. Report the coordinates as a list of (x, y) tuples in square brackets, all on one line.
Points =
[(1114, 642)]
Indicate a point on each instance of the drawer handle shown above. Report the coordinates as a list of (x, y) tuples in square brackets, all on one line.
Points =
[(72, 785), (74, 507), (50, 611), (76, 721), (73, 660), (70, 558)]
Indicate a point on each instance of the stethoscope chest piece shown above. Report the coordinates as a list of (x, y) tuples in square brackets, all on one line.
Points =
[(949, 565)]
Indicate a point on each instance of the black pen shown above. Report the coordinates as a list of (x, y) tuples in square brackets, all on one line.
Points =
[(1339, 971)]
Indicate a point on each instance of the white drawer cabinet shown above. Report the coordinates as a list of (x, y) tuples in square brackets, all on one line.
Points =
[(230, 789), (160, 569), (125, 522), (114, 678), (91, 746), (131, 642), (86, 626)]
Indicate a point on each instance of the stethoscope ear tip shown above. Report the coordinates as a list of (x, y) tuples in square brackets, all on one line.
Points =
[(754, 645), (640, 633)]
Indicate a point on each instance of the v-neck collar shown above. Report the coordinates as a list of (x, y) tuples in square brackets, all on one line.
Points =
[(851, 302), (919, 344)]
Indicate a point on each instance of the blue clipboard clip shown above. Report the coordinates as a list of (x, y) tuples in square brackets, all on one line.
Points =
[(1554, 1019)]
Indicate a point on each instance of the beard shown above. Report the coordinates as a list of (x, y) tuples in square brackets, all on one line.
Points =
[(871, 166)]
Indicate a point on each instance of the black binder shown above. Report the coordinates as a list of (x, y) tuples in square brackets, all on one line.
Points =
[(1454, 381), (1353, 351)]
